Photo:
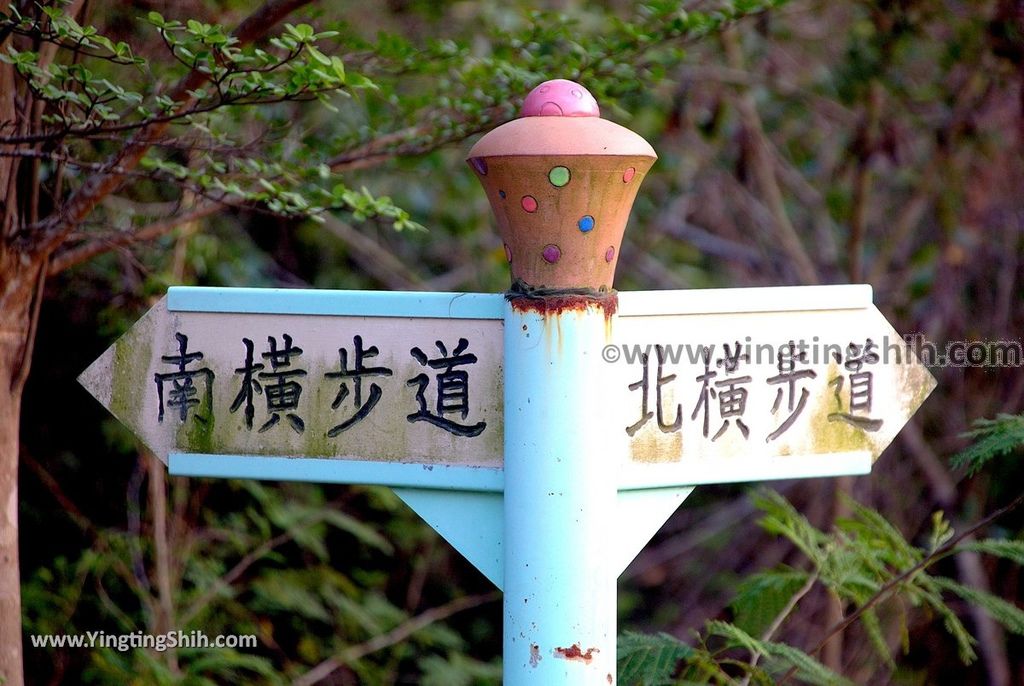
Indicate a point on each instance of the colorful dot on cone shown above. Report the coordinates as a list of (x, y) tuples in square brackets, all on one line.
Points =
[(529, 203), (609, 254), (501, 194), (586, 223), (480, 164), (628, 175), (559, 176), (551, 253), (508, 253)]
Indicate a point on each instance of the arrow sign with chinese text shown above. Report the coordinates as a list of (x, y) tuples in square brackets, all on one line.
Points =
[(364, 376), (406, 390), (759, 383)]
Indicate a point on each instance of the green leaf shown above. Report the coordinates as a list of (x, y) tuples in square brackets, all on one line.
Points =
[(365, 533), (928, 591), (1003, 611), (783, 656), (227, 662), (781, 518), (873, 629), (1012, 550), (318, 56), (281, 593), (360, 81), (339, 68), (993, 438), (761, 597), (649, 659), (303, 32), (808, 669)]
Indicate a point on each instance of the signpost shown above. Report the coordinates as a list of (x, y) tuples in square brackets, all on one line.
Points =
[(546, 433)]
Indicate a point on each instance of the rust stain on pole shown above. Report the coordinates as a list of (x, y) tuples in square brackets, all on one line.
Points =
[(577, 654), (556, 304)]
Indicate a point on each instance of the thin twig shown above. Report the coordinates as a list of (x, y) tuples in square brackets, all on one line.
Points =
[(777, 622)]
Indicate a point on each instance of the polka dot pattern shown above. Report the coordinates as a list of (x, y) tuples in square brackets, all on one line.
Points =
[(529, 203), (586, 223), (559, 176), (501, 194), (480, 164), (551, 253), (508, 254), (609, 254), (628, 175)]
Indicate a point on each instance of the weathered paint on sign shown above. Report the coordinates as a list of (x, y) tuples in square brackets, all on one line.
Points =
[(712, 398), (391, 389)]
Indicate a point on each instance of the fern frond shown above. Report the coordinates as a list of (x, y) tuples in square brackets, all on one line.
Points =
[(1003, 611), (761, 597), (999, 547), (993, 438), (929, 590), (650, 660), (781, 656), (782, 519)]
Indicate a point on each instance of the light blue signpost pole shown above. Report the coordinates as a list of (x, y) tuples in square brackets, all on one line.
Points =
[(561, 182), (560, 490)]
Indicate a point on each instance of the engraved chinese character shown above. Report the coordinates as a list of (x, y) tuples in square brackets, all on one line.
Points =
[(729, 391), (788, 378), (643, 385), (861, 383), (278, 386), (355, 375), (452, 396), (182, 394), (249, 386)]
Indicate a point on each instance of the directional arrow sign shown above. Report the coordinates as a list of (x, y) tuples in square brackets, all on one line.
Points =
[(406, 390), (759, 383), (399, 378)]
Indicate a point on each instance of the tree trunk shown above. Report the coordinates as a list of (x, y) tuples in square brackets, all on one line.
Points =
[(18, 276), (18, 284)]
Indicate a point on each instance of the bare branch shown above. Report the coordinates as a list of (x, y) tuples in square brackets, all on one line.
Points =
[(764, 168), (378, 262), (72, 256)]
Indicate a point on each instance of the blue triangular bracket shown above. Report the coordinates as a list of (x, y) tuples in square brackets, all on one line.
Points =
[(640, 514), (473, 522)]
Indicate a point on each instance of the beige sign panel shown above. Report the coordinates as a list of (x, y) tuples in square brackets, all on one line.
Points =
[(367, 388)]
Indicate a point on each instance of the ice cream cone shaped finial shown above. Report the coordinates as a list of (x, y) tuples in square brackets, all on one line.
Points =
[(561, 182)]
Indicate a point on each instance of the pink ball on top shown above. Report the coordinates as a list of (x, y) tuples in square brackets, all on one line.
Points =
[(560, 98)]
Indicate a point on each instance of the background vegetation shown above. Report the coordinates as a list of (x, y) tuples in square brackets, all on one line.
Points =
[(810, 142)]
